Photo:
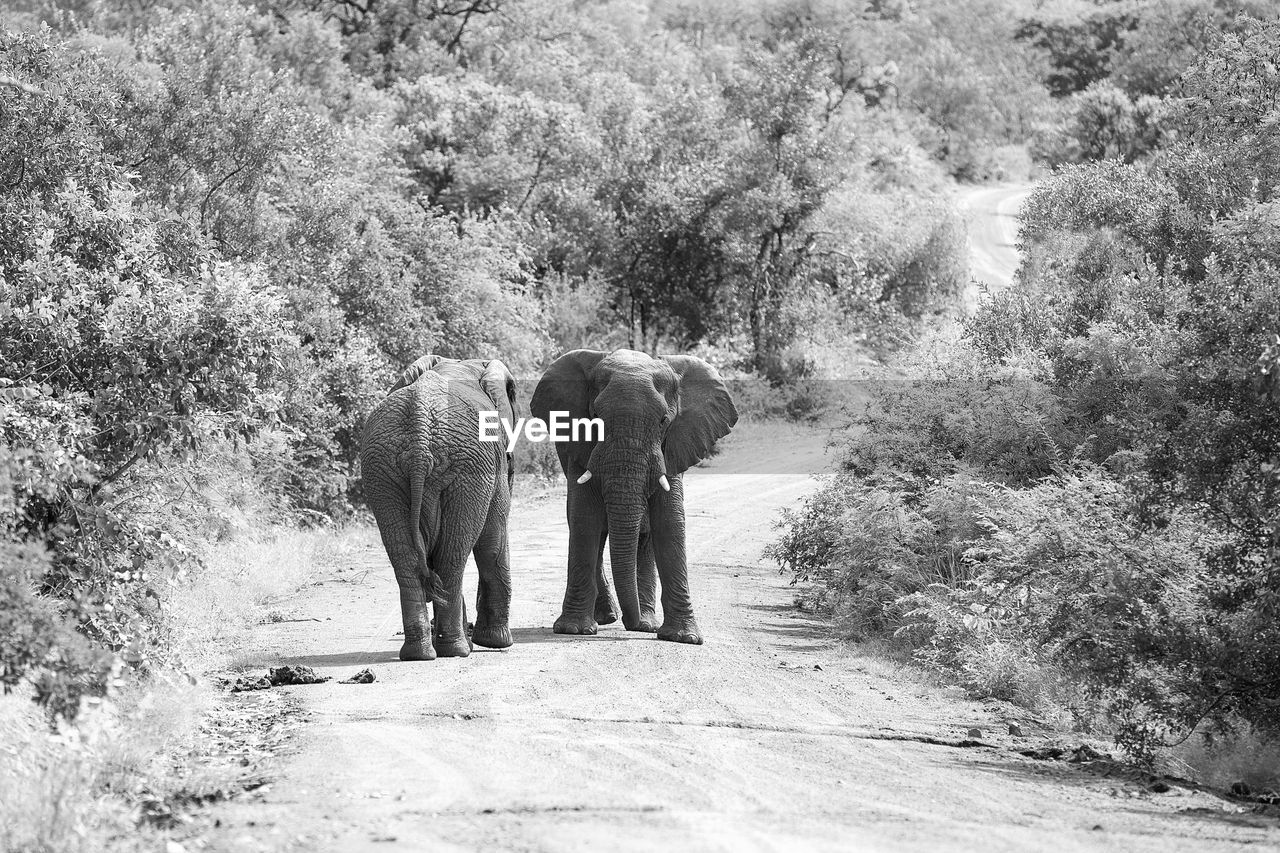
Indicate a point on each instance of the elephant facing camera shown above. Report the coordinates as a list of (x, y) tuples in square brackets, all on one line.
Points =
[(661, 416)]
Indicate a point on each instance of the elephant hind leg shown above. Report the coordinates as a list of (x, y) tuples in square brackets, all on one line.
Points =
[(461, 522), (405, 560), (493, 559)]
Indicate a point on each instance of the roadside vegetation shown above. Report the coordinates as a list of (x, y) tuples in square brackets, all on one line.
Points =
[(226, 226), (1073, 504)]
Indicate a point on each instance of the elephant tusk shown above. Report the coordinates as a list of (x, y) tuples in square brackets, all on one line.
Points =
[(662, 481), (586, 475)]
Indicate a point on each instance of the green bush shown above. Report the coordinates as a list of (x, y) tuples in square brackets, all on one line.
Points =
[(1004, 424), (1068, 574), (882, 255)]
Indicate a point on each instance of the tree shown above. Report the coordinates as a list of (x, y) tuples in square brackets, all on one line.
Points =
[(123, 338)]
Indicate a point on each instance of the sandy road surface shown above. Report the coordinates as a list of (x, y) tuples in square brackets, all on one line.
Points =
[(620, 742), (991, 213)]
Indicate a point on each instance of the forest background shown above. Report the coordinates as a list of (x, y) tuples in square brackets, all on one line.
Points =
[(226, 226)]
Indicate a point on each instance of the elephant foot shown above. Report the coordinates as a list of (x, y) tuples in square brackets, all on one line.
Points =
[(574, 625), (605, 614), (458, 648), (491, 636), (417, 650), (681, 632), (648, 623)]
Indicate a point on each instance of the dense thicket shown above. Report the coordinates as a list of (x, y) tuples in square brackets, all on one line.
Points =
[(1092, 491), (1114, 65), (224, 226)]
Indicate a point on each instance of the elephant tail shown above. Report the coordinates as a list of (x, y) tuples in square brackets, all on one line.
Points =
[(420, 468)]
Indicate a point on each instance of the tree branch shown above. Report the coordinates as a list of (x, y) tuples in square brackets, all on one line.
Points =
[(15, 83)]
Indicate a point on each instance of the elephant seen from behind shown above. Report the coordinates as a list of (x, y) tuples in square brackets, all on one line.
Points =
[(439, 494), (661, 416)]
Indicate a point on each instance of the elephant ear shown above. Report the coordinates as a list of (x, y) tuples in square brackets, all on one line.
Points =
[(419, 367), (500, 387), (706, 413), (566, 387)]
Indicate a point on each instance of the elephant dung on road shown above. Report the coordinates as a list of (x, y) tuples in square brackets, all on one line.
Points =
[(661, 416), (438, 494)]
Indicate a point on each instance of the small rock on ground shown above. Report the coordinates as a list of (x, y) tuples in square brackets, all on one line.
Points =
[(250, 682), (1084, 753), (364, 676), (1044, 753)]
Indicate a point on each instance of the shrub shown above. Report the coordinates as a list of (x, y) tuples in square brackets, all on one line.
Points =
[(885, 254), (38, 645), (867, 544), (1007, 425), (122, 339), (578, 314), (1066, 570), (1104, 123), (1117, 445)]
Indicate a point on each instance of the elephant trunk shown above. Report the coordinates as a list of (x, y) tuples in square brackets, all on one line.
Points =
[(626, 498)]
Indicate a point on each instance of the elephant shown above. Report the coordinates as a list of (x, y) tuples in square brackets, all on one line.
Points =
[(661, 416), (438, 494)]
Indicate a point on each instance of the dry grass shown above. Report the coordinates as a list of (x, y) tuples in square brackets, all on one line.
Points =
[(1007, 671), (244, 580), (1245, 758), (88, 788), (43, 784), (111, 782)]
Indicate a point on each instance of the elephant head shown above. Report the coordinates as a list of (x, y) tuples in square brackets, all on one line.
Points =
[(661, 416), (493, 376)]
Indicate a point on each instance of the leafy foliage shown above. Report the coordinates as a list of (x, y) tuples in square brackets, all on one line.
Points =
[(1119, 71), (121, 338), (225, 226), (1093, 491)]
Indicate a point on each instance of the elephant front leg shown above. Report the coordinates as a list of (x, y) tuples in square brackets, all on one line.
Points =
[(577, 613), (605, 612), (647, 585), (668, 536)]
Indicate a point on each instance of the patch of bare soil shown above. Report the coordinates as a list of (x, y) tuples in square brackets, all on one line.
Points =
[(240, 743)]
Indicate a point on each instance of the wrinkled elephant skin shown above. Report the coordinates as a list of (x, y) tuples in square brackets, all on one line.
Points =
[(661, 416), (439, 494)]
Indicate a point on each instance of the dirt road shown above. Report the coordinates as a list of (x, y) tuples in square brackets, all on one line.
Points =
[(991, 213), (771, 737)]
